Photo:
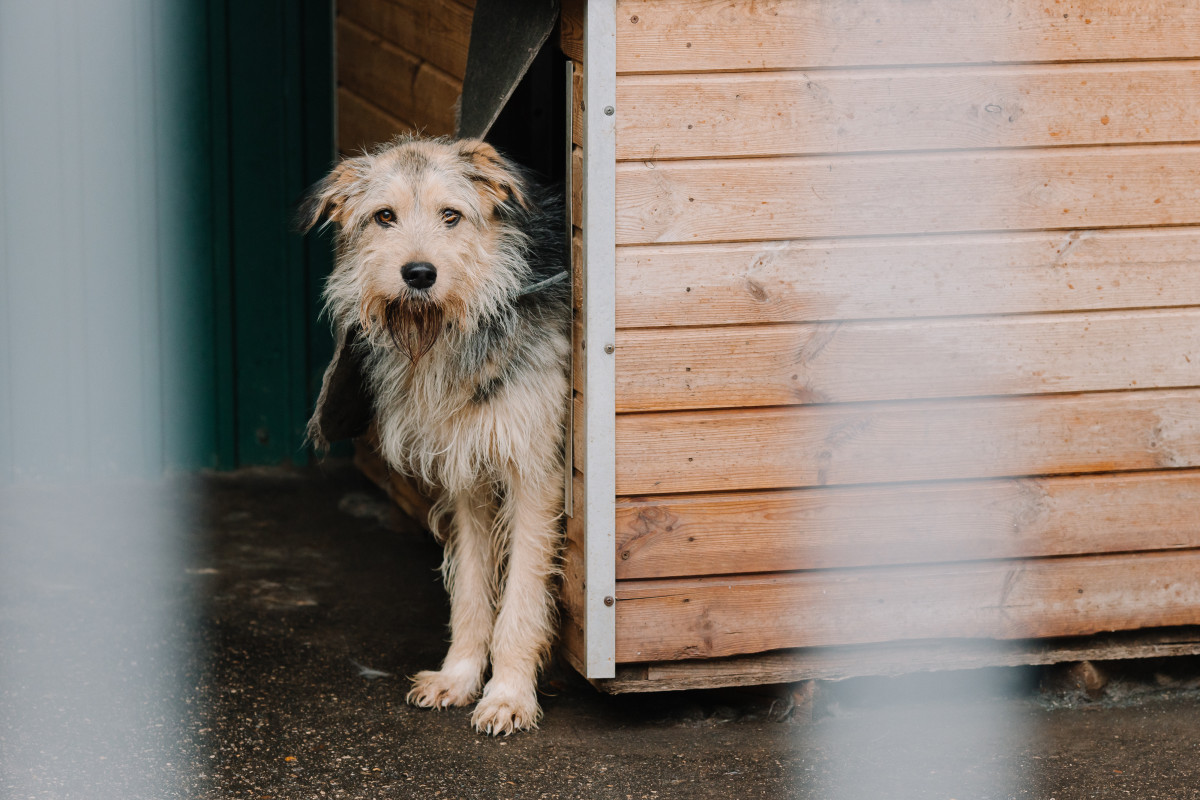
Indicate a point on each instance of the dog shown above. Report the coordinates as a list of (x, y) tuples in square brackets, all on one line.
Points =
[(451, 304)]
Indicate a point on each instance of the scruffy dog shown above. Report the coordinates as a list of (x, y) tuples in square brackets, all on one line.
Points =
[(452, 309)]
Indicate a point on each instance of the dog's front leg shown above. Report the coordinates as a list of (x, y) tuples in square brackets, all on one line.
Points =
[(468, 570), (525, 621)]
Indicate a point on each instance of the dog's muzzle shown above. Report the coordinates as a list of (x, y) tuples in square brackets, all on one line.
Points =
[(419, 274)]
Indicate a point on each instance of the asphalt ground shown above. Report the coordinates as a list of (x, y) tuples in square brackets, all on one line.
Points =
[(247, 635)]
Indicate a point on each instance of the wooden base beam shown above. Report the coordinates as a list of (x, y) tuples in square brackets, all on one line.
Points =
[(839, 663)]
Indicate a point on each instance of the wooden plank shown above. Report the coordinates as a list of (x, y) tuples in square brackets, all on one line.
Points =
[(667, 620), (571, 643), (573, 591), (576, 271), (577, 108), (570, 31), (579, 439), (396, 81), (577, 182), (696, 451), (719, 284), (437, 31), (836, 362), (745, 532), (361, 124), (898, 658), (795, 113), (578, 338), (709, 35), (787, 198)]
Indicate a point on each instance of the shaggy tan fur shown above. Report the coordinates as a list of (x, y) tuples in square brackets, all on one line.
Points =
[(469, 385)]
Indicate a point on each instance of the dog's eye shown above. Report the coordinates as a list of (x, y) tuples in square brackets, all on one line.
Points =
[(450, 217), (385, 216)]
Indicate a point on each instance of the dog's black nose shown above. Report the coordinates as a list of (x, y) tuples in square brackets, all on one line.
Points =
[(419, 274)]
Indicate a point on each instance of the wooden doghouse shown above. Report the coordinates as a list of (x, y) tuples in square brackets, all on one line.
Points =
[(888, 328)]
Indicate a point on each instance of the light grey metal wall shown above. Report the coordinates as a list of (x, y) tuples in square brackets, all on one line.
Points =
[(155, 310), (106, 223)]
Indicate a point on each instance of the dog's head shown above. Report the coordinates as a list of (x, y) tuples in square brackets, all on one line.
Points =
[(425, 237)]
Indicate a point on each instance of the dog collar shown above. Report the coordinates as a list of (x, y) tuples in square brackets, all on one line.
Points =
[(542, 284)]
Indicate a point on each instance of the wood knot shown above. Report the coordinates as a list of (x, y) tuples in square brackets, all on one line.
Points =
[(757, 291)]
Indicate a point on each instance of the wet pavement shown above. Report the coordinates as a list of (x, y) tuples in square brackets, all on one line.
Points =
[(258, 650)]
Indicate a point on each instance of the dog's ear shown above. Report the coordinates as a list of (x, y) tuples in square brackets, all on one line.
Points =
[(345, 406), (496, 177), (328, 200)]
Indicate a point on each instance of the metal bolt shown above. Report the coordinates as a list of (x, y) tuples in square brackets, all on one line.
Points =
[(608, 601), (608, 348), (609, 111)]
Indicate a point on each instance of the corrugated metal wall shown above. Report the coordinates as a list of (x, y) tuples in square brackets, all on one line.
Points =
[(156, 312)]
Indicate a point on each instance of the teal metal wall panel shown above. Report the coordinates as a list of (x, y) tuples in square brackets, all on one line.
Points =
[(271, 289), (320, 124), (225, 441)]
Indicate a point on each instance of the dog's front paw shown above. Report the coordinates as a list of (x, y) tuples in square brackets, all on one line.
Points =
[(442, 688), (506, 709)]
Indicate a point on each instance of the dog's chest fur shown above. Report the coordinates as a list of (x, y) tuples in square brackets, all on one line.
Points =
[(476, 406)]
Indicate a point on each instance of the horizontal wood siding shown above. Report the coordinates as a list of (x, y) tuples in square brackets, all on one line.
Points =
[(707, 617), (834, 362), (1005, 273), (825, 445), (908, 321), (400, 68), (436, 31), (856, 526), (824, 196), (787, 113), (360, 121), (713, 35)]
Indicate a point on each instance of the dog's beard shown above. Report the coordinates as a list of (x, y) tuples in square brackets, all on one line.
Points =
[(413, 326)]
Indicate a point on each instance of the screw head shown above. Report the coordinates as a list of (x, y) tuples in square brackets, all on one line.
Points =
[(608, 348), (608, 601), (609, 111)]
